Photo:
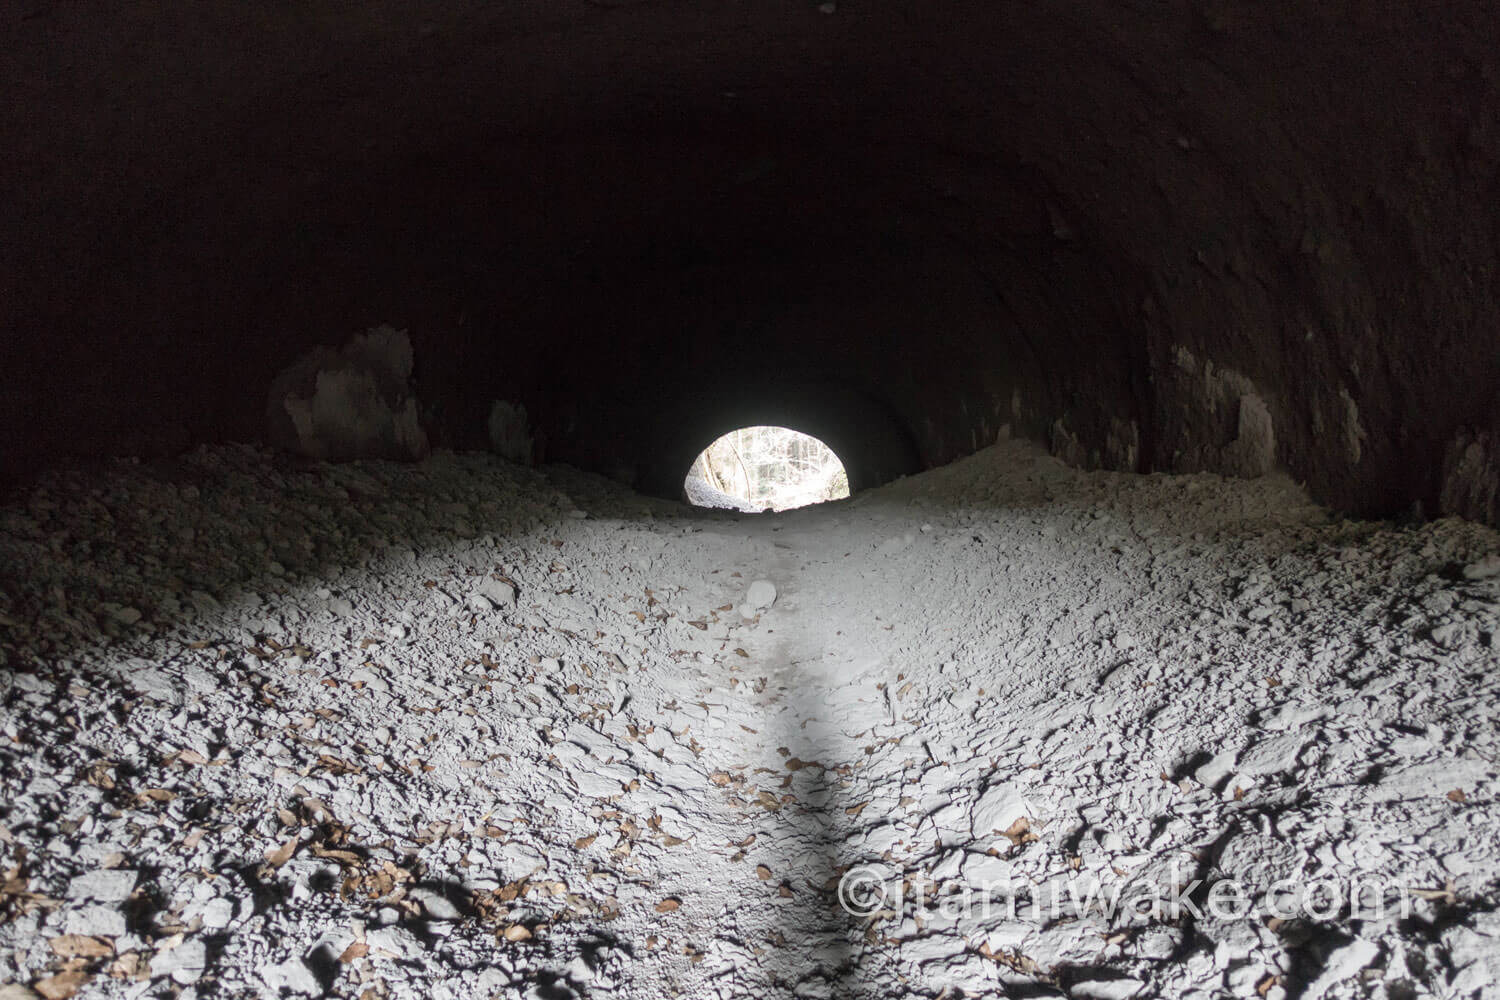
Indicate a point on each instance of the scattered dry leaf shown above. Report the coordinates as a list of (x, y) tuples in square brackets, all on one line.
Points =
[(281, 855), (129, 966), (1019, 832), (62, 986), (77, 945), (1447, 894)]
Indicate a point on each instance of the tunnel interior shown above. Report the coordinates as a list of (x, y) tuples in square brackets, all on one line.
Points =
[(356, 641), (1187, 236)]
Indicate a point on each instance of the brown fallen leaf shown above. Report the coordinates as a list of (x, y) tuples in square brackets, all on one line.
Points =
[(517, 932), (281, 855), (583, 842), (1447, 894), (762, 872), (129, 966), (1457, 795), (1019, 832), (62, 986), (856, 810), (668, 905), (356, 950), (77, 945), (1014, 960), (334, 854), (721, 778)]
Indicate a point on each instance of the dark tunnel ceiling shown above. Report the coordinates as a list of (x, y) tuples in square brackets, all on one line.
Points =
[(1182, 235)]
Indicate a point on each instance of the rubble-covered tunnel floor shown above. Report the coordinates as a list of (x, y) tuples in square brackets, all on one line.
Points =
[(465, 729)]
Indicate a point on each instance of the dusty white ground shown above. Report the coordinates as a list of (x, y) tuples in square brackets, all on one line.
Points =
[(468, 730)]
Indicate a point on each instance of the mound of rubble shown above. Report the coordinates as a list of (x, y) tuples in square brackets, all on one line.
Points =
[(469, 729)]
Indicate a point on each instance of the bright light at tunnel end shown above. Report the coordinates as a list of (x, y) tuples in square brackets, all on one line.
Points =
[(765, 468)]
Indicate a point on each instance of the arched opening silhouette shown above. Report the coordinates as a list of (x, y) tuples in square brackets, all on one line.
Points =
[(765, 468)]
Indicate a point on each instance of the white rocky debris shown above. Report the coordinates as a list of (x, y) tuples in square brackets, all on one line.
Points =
[(356, 402), (475, 730)]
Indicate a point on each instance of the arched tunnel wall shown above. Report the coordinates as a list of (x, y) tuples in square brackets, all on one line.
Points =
[(1201, 234)]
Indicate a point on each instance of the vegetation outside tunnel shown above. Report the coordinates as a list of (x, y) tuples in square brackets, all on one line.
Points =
[(770, 467)]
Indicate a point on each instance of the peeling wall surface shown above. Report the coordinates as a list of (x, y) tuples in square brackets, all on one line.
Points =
[(1205, 235)]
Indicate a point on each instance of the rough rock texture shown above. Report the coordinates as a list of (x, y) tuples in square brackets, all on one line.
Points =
[(352, 403), (1471, 478), (698, 493), (912, 223), (471, 731), (510, 432)]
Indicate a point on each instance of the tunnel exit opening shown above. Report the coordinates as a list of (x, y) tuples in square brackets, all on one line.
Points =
[(765, 468)]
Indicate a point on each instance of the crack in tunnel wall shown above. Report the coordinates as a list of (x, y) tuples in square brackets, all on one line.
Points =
[(1207, 235)]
